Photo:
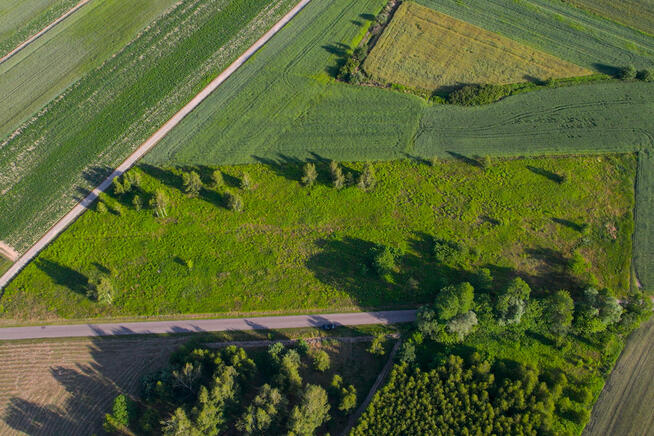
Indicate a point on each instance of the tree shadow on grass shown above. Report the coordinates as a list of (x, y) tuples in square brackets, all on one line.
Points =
[(64, 276), (556, 178), (292, 168), (341, 51), (465, 159), (569, 224)]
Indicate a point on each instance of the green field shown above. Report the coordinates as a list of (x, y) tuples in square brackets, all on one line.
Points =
[(20, 19), (75, 142), (310, 249), (424, 49), (644, 221), (48, 66), (558, 29), (635, 13)]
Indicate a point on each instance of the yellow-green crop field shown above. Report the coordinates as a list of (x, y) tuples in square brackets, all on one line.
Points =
[(426, 49)]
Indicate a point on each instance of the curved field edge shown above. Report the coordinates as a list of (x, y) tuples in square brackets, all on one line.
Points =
[(44, 69), (22, 26), (73, 144)]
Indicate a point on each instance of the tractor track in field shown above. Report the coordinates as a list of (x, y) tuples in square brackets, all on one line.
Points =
[(144, 148), (43, 31)]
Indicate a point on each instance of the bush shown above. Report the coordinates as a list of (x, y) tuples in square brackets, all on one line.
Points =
[(367, 178), (449, 253), (348, 399), (246, 183), (101, 207), (302, 347), (137, 202), (234, 202), (320, 360), (217, 178), (472, 95), (192, 183), (384, 259), (578, 264), (338, 180), (310, 174), (627, 73), (645, 75), (377, 345)]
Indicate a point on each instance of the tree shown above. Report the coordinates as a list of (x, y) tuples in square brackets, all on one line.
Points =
[(127, 183), (461, 325), (263, 412), (101, 290), (246, 183), (310, 174), (596, 311), (447, 303), (384, 260), (348, 399), (512, 304), (311, 413), (289, 369), (177, 424), (118, 419), (137, 202), (560, 308), (466, 294), (449, 253), (627, 73), (275, 353), (484, 279), (302, 346), (234, 202), (427, 322), (338, 180), (192, 183), (118, 187), (377, 345), (367, 178), (320, 360), (101, 207), (217, 178), (160, 203), (408, 352)]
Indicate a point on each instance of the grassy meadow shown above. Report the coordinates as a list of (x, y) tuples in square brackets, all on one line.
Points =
[(20, 19), (297, 249), (635, 13), (425, 49), (558, 29), (50, 65), (73, 144)]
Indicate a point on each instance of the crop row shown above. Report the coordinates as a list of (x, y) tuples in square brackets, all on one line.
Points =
[(79, 137)]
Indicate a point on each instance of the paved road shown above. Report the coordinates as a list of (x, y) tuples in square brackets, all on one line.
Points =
[(36, 36), (207, 325), (81, 207)]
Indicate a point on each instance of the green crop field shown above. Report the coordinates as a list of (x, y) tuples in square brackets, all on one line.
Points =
[(47, 67), (20, 19), (294, 248), (73, 144), (635, 13), (624, 407), (644, 240), (422, 48), (558, 29)]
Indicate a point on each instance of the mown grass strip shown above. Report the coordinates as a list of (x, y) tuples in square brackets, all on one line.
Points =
[(112, 110)]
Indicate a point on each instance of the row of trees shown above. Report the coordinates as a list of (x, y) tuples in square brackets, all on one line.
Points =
[(209, 392), (365, 181)]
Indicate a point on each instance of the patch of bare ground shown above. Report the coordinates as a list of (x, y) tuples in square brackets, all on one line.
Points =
[(66, 387)]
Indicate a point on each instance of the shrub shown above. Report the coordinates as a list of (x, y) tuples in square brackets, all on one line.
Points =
[(246, 183), (578, 264), (348, 399), (310, 414), (408, 352), (160, 203), (384, 260), (217, 178), (472, 95), (119, 418), (484, 279), (450, 253), (302, 346), (234, 202), (627, 73), (101, 207), (348, 69), (645, 75), (119, 189), (310, 174), (377, 345), (338, 180), (462, 324), (367, 178), (137, 202)]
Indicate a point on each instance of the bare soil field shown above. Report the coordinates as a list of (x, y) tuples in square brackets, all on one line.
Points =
[(65, 387), (625, 405)]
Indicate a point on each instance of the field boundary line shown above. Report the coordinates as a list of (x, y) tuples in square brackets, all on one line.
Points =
[(207, 325), (373, 390), (145, 147), (40, 33)]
